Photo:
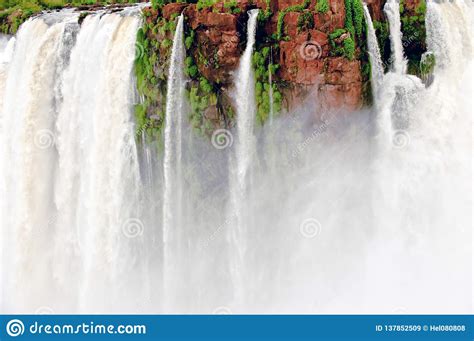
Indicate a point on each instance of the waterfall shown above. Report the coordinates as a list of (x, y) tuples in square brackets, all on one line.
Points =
[(80, 220), (374, 55), (73, 179), (392, 10), (244, 150), (447, 28), (172, 164), (382, 105)]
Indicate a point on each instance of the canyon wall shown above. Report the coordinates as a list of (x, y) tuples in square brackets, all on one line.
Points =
[(311, 51)]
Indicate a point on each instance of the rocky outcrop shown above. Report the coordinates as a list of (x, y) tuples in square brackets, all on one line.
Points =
[(314, 51), (304, 56), (376, 9), (218, 39)]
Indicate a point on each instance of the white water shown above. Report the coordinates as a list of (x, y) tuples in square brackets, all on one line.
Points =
[(330, 226), (244, 153), (374, 55), (172, 164), (73, 177), (392, 11)]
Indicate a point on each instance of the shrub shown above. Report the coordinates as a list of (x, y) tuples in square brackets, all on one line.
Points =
[(305, 21), (281, 15), (322, 6), (349, 48)]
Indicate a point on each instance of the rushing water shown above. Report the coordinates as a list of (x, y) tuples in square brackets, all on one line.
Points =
[(323, 219), (392, 10), (245, 152), (172, 164), (374, 55), (73, 177)]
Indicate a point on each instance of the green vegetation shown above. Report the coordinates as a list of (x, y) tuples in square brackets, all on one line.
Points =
[(354, 21), (305, 21), (342, 44), (427, 64), (231, 6), (202, 4), (348, 22), (349, 48), (354, 33), (414, 35), (281, 15), (322, 6), (150, 69), (157, 4), (263, 16), (382, 30), (342, 41), (358, 17), (201, 93), (263, 67)]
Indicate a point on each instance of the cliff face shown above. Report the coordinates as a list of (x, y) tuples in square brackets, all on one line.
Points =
[(304, 55), (314, 50)]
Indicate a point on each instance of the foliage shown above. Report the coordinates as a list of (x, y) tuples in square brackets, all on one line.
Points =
[(414, 35), (427, 63), (232, 6), (345, 46), (263, 16), (349, 48), (305, 21), (358, 17), (336, 34), (202, 4), (348, 22), (263, 68), (322, 6), (281, 15), (151, 62), (382, 31), (354, 23)]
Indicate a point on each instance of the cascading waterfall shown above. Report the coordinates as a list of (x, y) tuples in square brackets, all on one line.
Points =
[(392, 10), (6, 51), (172, 164), (384, 119), (244, 151), (73, 179), (394, 92), (79, 224), (374, 55)]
